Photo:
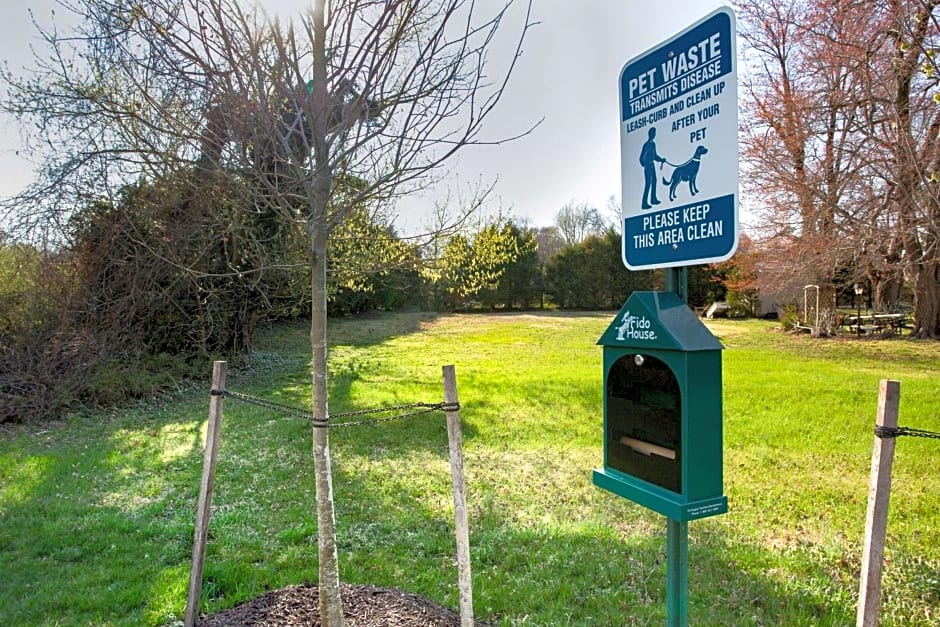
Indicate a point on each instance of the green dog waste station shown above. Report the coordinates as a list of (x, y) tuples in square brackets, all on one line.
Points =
[(662, 409), (663, 423)]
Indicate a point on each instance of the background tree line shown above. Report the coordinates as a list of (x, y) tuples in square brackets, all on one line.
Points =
[(169, 274)]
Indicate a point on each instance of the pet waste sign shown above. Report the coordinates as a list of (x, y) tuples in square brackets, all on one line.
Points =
[(679, 148)]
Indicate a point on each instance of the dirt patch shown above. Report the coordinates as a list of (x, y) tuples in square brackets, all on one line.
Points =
[(363, 606)]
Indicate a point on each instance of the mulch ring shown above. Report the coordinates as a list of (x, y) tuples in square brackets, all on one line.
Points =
[(363, 606)]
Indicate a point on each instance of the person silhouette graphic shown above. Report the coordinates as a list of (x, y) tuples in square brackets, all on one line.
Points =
[(648, 159)]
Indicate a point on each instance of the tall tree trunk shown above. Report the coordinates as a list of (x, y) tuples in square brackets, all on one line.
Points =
[(927, 300), (923, 271), (887, 293)]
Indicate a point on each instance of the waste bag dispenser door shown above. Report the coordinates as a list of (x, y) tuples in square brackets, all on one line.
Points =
[(644, 420)]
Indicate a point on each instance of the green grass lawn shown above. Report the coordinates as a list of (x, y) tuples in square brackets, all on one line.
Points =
[(97, 512)]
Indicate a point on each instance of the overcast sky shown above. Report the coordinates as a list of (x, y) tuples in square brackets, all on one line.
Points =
[(567, 76)]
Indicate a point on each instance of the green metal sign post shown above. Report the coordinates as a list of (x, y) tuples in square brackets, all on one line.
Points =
[(677, 573), (677, 532), (677, 281)]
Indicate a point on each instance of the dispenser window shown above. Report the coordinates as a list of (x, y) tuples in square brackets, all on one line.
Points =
[(644, 420)]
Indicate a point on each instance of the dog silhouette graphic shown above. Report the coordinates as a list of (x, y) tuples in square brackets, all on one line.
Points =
[(688, 172)]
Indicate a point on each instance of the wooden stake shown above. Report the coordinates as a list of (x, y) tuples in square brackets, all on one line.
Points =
[(460, 499), (219, 369), (879, 493)]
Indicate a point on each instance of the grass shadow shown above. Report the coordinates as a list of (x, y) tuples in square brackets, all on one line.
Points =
[(367, 329)]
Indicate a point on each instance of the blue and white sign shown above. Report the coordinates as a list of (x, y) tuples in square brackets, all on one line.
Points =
[(679, 148)]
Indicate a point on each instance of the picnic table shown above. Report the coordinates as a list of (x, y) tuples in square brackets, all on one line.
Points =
[(874, 323)]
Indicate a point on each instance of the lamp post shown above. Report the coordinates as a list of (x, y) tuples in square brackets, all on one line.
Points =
[(859, 289)]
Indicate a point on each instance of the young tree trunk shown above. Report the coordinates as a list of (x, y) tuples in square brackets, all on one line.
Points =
[(331, 607)]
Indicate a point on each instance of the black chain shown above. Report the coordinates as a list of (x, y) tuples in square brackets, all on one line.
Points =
[(382, 410), (355, 423), (894, 432), (425, 408), (263, 402)]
